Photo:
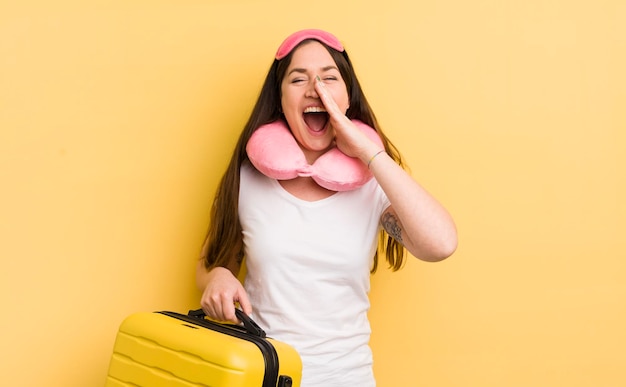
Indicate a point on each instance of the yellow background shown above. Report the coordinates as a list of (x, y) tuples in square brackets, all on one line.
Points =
[(117, 119)]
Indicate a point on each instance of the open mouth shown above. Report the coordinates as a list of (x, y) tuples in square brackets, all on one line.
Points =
[(315, 118)]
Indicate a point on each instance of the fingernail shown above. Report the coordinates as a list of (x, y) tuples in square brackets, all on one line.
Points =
[(317, 77)]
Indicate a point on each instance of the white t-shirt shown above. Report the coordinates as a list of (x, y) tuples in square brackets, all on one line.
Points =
[(309, 274)]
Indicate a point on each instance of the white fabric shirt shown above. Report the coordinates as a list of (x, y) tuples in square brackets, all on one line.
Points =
[(309, 274)]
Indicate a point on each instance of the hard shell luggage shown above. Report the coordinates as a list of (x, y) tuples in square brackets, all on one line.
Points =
[(168, 349)]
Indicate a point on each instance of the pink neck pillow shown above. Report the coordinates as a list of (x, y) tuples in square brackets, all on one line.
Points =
[(273, 150)]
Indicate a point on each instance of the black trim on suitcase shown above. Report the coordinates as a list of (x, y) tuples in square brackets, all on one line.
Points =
[(250, 331)]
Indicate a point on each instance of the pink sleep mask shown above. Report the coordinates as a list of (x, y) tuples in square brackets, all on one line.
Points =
[(297, 37), (273, 150)]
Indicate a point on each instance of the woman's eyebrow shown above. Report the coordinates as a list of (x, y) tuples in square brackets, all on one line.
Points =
[(304, 71), (328, 68), (297, 70)]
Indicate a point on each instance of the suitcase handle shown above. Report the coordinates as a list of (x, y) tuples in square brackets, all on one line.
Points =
[(250, 326)]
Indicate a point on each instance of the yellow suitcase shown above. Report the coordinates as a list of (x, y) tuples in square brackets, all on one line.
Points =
[(168, 349)]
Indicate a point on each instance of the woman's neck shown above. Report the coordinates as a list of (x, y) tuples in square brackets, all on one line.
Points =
[(305, 188)]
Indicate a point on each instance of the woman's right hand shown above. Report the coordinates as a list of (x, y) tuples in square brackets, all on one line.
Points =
[(222, 291)]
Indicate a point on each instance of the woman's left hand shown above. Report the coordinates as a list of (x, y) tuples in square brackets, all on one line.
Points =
[(415, 218)]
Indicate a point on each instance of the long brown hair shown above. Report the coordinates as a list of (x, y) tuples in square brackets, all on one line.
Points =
[(224, 239)]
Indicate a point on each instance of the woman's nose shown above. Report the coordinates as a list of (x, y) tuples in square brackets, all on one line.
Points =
[(310, 90)]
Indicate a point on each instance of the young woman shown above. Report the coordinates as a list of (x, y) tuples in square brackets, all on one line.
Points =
[(311, 236)]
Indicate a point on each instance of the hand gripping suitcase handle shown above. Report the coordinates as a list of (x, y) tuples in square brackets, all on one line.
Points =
[(250, 326)]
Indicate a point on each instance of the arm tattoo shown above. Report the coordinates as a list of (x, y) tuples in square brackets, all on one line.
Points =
[(391, 224)]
